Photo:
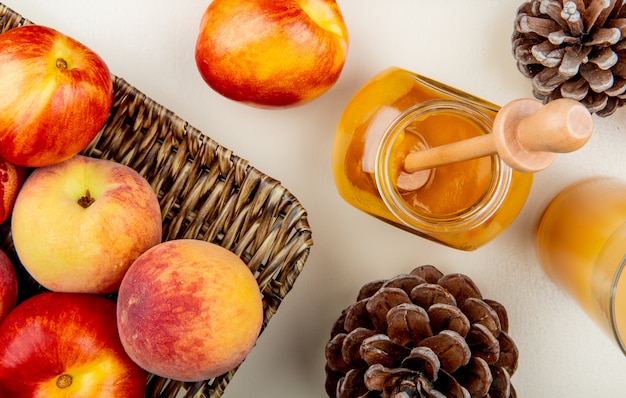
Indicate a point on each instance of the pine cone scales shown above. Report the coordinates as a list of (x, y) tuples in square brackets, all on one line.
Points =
[(574, 49), (422, 334)]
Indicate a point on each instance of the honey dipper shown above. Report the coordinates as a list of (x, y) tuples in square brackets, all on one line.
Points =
[(527, 135)]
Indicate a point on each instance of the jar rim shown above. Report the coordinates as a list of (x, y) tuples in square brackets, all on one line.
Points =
[(463, 220)]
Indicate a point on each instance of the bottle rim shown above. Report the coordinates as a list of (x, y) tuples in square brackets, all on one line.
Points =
[(463, 220)]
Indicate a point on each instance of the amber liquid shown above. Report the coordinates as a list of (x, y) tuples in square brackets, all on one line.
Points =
[(452, 189), (581, 241), (463, 183)]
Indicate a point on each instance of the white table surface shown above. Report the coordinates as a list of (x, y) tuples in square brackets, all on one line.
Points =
[(463, 43)]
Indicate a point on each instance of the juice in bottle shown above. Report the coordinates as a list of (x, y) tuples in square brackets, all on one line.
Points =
[(581, 240), (464, 205)]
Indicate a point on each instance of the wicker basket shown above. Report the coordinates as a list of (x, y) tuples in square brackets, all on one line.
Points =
[(206, 192)]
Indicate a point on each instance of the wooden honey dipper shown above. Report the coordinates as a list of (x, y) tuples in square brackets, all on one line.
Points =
[(527, 135)]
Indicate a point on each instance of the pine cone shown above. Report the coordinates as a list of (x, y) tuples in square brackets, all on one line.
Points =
[(422, 334), (574, 49)]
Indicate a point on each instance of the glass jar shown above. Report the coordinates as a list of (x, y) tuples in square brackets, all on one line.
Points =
[(463, 205), (581, 242)]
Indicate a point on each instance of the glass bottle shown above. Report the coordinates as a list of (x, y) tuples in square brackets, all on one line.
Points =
[(463, 205), (581, 242)]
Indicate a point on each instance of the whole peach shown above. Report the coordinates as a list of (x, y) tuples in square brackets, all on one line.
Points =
[(272, 53), (61, 345), (78, 225), (189, 310), (56, 95)]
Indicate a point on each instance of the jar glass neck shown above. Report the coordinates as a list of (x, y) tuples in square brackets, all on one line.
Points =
[(386, 173)]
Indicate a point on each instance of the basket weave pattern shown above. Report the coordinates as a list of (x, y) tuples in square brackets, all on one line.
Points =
[(206, 192)]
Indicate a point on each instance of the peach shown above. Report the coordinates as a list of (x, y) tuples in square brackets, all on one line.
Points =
[(56, 95), (60, 345), (189, 310), (11, 180), (8, 285), (272, 53), (78, 225)]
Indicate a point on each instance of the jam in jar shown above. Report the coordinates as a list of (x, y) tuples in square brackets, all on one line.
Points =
[(463, 205)]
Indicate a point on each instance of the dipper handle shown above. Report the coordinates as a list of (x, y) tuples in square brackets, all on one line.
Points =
[(526, 135), (471, 148)]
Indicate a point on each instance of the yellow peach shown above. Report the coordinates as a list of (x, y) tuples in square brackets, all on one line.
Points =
[(78, 225)]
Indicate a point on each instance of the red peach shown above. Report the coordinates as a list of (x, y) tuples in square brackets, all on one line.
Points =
[(60, 345), (272, 53), (11, 180), (8, 286), (189, 310), (56, 95)]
